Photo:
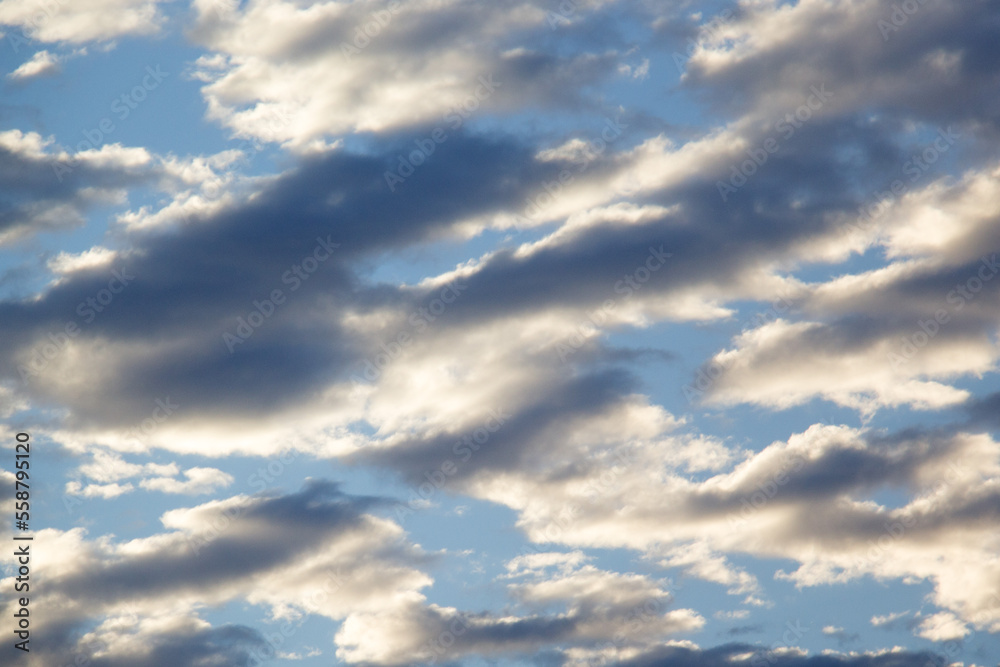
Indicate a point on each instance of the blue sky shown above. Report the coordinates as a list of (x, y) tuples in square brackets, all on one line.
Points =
[(594, 332)]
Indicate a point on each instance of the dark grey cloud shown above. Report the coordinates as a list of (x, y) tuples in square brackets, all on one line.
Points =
[(264, 536), (43, 191), (518, 442), (219, 551), (188, 288), (795, 197), (162, 335), (950, 48), (810, 485), (181, 647), (735, 655), (985, 411), (191, 286), (225, 645)]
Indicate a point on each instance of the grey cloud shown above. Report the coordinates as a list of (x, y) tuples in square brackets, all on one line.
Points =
[(43, 192), (728, 655), (264, 536), (518, 441), (225, 645), (215, 557), (847, 52), (190, 287)]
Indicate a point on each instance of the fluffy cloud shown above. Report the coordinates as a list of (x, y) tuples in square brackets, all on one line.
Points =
[(199, 481), (290, 73), (599, 607), (942, 626), (79, 21), (42, 63), (742, 655), (772, 51), (48, 188), (316, 551), (266, 309)]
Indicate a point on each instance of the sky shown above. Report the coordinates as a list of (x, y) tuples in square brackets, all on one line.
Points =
[(577, 333)]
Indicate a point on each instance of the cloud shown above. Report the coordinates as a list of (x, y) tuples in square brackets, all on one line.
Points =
[(842, 636), (501, 378), (169, 640), (804, 499), (699, 561), (112, 490), (740, 655), (80, 21), (782, 365), (770, 52), (599, 607), (889, 621), (42, 63), (199, 481), (314, 552), (436, 63), (733, 615), (110, 467), (47, 188), (942, 627)]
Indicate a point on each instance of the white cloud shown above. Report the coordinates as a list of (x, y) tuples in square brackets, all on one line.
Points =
[(888, 619), (274, 79), (78, 21), (199, 481), (42, 63), (600, 606), (942, 627), (106, 491), (311, 552)]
